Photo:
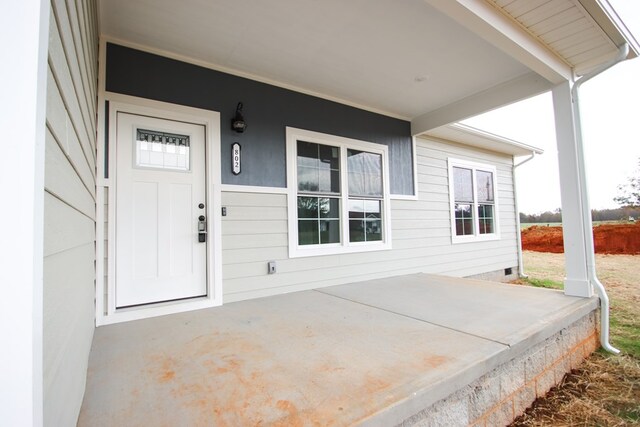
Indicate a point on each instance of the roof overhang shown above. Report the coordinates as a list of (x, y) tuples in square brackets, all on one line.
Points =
[(431, 62), (470, 136), (611, 24)]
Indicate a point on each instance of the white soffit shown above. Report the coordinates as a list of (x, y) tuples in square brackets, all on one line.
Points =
[(403, 58), (473, 137), (578, 31)]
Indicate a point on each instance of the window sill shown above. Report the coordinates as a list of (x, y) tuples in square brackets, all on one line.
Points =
[(473, 239), (318, 250)]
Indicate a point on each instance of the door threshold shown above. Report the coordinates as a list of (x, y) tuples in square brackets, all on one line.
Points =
[(145, 311)]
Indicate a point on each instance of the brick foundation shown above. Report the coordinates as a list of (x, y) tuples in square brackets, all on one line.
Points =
[(503, 394)]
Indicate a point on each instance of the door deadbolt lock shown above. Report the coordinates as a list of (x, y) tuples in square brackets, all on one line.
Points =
[(202, 229)]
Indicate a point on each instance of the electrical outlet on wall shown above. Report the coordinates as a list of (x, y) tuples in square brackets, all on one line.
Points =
[(271, 267)]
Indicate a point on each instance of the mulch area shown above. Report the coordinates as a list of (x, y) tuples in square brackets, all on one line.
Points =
[(604, 391)]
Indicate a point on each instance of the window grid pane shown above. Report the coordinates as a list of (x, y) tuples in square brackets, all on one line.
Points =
[(462, 185), (162, 150), (318, 220), (318, 168), (484, 186), (485, 219), (365, 220), (365, 173), (464, 219)]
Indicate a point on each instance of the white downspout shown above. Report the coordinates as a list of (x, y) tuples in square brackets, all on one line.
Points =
[(585, 208), (515, 201)]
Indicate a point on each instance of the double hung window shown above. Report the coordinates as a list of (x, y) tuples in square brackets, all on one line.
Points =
[(318, 171), (365, 196), (340, 189), (473, 201)]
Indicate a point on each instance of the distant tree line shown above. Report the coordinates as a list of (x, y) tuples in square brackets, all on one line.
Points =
[(629, 193), (619, 214)]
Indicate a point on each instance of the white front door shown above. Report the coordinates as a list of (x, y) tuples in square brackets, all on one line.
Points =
[(160, 200)]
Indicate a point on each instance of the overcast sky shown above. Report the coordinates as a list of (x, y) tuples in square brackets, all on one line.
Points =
[(610, 107)]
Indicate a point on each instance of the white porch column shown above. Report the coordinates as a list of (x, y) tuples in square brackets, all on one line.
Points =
[(572, 193), (24, 30)]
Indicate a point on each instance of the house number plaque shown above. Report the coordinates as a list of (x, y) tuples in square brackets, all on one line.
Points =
[(235, 158)]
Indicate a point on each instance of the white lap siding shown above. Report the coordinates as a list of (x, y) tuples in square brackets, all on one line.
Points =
[(69, 208), (254, 232)]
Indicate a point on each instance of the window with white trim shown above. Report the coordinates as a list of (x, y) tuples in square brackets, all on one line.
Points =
[(472, 192), (338, 194)]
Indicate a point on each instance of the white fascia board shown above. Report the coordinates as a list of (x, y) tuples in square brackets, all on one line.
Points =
[(473, 137), (520, 88), (488, 23)]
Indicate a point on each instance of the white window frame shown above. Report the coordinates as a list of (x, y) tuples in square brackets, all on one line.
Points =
[(476, 236), (345, 246)]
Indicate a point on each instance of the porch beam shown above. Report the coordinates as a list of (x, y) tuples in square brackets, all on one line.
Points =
[(522, 87), (23, 77), (572, 194), (503, 32)]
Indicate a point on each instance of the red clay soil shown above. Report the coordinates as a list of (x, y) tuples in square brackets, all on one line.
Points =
[(608, 239)]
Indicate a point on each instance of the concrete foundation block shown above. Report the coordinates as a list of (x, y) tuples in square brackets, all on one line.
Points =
[(544, 382), (576, 357), (453, 414), (450, 411), (583, 328), (485, 394), (561, 367), (534, 364), (502, 415), (512, 378), (524, 398), (556, 348), (572, 339), (591, 345)]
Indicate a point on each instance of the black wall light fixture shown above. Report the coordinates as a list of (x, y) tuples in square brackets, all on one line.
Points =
[(237, 123)]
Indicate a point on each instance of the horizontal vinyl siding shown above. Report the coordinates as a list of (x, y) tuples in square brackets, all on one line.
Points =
[(254, 232), (69, 208)]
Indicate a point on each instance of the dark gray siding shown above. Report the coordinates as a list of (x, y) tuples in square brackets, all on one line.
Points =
[(267, 111)]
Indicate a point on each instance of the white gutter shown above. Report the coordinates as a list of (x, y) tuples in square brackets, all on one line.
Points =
[(584, 198), (515, 201)]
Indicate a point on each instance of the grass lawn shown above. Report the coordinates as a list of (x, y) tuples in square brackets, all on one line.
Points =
[(605, 390)]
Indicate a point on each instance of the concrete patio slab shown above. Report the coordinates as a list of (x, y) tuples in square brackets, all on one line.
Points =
[(495, 311), (374, 352)]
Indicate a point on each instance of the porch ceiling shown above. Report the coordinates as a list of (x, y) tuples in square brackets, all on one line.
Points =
[(417, 59)]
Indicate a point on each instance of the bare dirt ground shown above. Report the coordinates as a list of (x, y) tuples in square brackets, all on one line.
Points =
[(622, 238), (605, 390)]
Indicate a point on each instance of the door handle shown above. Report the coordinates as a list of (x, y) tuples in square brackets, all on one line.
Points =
[(202, 229)]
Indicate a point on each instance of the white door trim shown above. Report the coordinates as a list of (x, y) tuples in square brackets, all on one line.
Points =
[(106, 311)]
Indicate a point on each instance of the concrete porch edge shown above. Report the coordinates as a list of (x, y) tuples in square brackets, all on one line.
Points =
[(438, 401)]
